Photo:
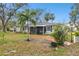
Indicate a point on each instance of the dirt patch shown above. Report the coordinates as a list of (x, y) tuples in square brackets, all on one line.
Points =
[(40, 41), (43, 37)]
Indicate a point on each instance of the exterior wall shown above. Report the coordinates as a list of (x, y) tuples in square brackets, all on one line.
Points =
[(25, 29), (37, 30), (40, 30), (49, 29), (76, 39), (33, 30), (17, 29)]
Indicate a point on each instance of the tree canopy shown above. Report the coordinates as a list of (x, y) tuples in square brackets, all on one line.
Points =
[(7, 11)]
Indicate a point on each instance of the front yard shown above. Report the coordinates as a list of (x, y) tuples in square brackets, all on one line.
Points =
[(15, 44)]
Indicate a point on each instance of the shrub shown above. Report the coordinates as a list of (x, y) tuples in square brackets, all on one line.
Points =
[(60, 36), (76, 33), (60, 43), (54, 44)]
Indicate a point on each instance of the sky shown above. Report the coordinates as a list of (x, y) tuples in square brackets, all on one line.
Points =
[(61, 10)]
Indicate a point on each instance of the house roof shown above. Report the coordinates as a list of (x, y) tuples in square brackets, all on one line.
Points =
[(40, 24)]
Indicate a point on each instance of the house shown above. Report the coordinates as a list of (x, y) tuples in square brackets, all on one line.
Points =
[(15, 29), (41, 28)]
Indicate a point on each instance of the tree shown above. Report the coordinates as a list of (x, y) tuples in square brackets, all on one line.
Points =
[(74, 15), (49, 16), (0, 25), (29, 16), (76, 6), (7, 11), (57, 26), (11, 24)]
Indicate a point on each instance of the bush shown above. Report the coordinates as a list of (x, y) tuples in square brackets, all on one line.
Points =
[(60, 43), (76, 33), (60, 36), (54, 44)]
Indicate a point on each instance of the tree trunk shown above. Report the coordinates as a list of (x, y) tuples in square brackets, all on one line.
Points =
[(28, 32), (4, 27)]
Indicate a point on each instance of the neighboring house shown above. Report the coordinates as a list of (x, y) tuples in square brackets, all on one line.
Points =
[(71, 26), (15, 29)]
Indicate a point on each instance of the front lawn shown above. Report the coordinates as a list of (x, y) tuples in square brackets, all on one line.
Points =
[(15, 44)]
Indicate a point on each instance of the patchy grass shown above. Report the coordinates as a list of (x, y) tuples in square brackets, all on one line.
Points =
[(14, 44)]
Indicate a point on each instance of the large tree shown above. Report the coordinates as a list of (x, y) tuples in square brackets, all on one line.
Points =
[(11, 24), (0, 25), (7, 11), (74, 15)]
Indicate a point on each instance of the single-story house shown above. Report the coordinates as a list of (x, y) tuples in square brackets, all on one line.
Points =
[(15, 29), (41, 28)]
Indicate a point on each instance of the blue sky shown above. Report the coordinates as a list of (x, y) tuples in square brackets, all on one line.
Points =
[(61, 10)]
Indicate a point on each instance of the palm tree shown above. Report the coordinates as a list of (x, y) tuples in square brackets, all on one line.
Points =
[(28, 16), (49, 16)]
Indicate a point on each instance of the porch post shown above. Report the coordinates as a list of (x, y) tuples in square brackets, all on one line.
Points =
[(43, 30), (36, 30)]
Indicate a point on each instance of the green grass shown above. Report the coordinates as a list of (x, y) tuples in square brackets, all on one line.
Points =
[(16, 42), (13, 36)]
